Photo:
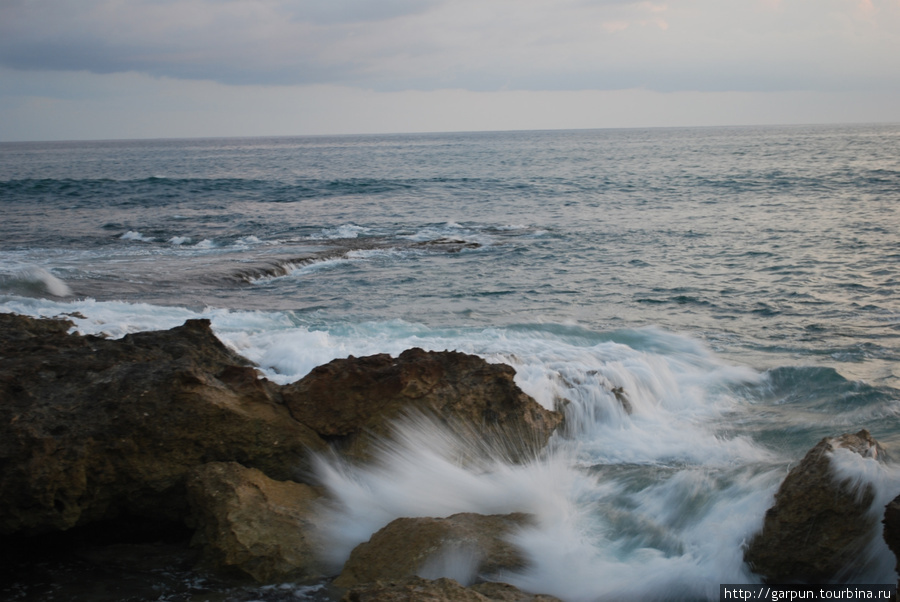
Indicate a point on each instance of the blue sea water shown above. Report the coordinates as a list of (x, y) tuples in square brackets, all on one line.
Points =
[(739, 284)]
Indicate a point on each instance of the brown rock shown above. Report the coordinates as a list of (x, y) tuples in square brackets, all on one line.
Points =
[(250, 524), (416, 589), (353, 401), (818, 525), (464, 544), (91, 428)]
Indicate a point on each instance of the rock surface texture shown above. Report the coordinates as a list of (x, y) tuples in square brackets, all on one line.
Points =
[(93, 428), (173, 427), (818, 524), (248, 523), (353, 401), (467, 544)]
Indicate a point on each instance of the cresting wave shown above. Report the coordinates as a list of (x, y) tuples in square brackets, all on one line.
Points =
[(33, 281)]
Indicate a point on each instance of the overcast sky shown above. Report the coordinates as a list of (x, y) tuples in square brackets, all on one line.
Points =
[(174, 68)]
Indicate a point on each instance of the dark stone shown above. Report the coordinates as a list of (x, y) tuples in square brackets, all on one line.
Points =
[(818, 525), (92, 429)]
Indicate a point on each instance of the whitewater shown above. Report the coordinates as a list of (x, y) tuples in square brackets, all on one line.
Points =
[(738, 286)]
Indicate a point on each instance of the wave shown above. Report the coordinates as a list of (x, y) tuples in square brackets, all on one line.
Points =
[(134, 235), (34, 281), (341, 232), (281, 267)]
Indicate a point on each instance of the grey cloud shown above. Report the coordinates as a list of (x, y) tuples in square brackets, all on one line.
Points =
[(392, 45)]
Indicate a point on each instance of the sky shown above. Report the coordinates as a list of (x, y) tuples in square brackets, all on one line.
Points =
[(113, 69)]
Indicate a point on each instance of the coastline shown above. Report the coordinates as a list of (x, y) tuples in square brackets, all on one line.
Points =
[(189, 366)]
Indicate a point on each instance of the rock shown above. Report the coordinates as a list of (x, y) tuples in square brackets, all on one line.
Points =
[(91, 429), (416, 589), (99, 432), (818, 525), (461, 546), (891, 532), (450, 245), (250, 524), (353, 401)]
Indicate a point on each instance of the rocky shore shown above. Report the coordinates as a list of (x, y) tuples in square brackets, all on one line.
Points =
[(164, 438)]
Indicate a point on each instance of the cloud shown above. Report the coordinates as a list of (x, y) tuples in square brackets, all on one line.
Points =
[(480, 45)]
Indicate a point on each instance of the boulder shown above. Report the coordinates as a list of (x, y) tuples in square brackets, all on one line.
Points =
[(463, 546), (91, 429), (249, 524), (353, 401), (819, 523), (416, 589)]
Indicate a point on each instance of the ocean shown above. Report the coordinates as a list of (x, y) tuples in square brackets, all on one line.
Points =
[(741, 285)]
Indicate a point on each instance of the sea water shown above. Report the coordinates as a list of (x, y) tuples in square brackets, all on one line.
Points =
[(738, 285)]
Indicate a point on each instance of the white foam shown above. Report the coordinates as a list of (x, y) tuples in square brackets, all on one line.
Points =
[(644, 505), (341, 232), (112, 319), (304, 268), (576, 550), (869, 475), (450, 231), (419, 474), (179, 240), (247, 241), (134, 235)]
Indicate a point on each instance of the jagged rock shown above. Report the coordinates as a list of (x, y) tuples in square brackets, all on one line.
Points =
[(353, 401), (99, 431), (91, 428), (461, 546), (250, 524), (818, 524), (416, 589)]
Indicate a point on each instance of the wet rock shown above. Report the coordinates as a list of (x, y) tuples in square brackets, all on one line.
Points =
[(96, 432), (622, 398), (463, 546), (353, 401), (250, 524), (416, 589), (891, 531), (819, 524), (91, 429)]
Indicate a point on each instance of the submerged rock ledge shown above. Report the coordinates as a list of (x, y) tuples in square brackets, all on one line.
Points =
[(174, 426)]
